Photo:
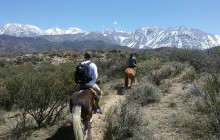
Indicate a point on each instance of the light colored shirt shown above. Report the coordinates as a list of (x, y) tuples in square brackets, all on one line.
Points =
[(93, 72)]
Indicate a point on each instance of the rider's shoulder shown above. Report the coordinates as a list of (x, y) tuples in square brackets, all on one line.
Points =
[(93, 65)]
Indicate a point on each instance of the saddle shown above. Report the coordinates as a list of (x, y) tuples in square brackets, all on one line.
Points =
[(96, 97), (83, 87)]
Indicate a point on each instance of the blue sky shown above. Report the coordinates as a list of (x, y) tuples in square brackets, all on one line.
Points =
[(98, 15)]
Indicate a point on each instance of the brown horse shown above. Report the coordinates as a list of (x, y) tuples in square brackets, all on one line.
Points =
[(129, 74), (82, 105)]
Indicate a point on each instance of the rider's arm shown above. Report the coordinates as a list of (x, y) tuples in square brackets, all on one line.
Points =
[(94, 71), (135, 62)]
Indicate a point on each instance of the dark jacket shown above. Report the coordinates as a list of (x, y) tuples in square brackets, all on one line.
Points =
[(132, 62)]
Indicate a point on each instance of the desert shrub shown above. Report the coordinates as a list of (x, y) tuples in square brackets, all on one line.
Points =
[(19, 61), (171, 69), (52, 54), (35, 59), (166, 70), (3, 63), (32, 58), (142, 58), (97, 54), (67, 74), (17, 69), (41, 93), (4, 96), (6, 100), (178, 67), (208, 103), (126, 122), (146, 67), (46, 67), (3, 73), (200, 60), (143, 94), (190, 74), (113, 67)]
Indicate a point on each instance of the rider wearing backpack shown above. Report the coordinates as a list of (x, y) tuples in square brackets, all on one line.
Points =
[(86, 75)]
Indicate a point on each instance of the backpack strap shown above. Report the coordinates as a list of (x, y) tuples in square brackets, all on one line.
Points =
[(85, 63), (88, 63)]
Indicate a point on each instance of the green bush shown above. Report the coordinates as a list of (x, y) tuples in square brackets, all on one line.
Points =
[(42, 93), (143, 94), (113, 67), (126, 122), (200, 60), (190, 74), (166, 70), (3, 63), (208, 103), (146, 67)]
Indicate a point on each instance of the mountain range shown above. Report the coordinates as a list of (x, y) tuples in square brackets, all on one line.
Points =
[(149, 37)]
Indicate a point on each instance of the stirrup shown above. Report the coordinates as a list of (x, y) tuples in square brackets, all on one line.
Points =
[(97, 111)]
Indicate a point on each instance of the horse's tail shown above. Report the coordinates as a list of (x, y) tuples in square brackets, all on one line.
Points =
[(76, 112)]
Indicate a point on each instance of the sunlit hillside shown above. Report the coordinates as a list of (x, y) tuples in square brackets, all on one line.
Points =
[(176, 95)]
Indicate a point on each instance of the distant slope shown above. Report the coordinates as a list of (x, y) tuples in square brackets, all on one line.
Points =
[(12, 44), (89, 44)]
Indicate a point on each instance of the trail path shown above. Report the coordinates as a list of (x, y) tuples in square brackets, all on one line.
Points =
[(162, 115), (98, 123)]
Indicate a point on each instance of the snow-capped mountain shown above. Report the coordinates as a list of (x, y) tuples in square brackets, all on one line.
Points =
[(218, 38), (58, 31), (142, 38), (183, 37), (20, 30), (154, 37)]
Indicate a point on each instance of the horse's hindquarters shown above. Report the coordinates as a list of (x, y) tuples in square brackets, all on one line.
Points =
[(129, 74), (81, 105)]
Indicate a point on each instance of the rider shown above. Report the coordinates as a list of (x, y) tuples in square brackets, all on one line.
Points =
[(132, 62), (94, 75)]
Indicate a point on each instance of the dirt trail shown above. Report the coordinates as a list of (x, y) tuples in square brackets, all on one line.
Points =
[(162, 115), (98, 122)]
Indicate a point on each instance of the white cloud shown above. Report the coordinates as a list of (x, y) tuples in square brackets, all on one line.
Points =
[(115, 22)]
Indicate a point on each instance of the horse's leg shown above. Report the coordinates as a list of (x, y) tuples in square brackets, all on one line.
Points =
[(132, 80), (126, 81), (89, 134)]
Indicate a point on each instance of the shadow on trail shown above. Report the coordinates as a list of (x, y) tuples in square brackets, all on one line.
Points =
[(63, 133), (120, 90)]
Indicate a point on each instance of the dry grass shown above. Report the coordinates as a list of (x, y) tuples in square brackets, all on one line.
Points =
[(159, 107)]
